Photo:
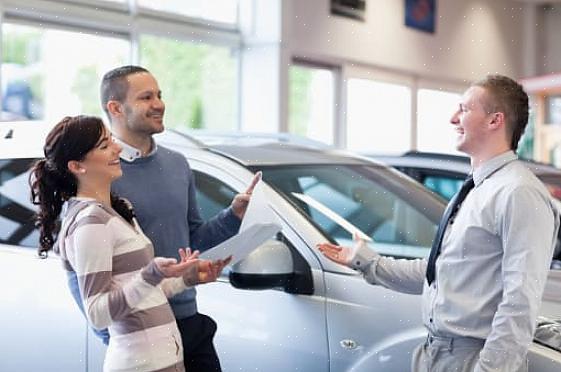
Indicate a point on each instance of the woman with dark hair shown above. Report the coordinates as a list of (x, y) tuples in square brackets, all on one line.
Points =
[(123, 287)]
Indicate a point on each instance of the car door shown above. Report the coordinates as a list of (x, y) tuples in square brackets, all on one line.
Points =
[(41, 328), (370, 328), (260, 330)]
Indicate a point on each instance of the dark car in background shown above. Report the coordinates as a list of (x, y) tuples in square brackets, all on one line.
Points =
[(445, 173)]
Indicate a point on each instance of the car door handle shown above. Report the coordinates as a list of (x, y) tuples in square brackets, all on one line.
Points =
[(348, 344)]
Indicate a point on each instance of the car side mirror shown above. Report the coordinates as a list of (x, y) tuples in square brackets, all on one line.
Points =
[(273, 265), (268, 266)]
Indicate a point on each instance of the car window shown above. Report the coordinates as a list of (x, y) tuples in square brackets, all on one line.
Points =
[(393, 211), (444, 186), (213, 195), (16, 210)]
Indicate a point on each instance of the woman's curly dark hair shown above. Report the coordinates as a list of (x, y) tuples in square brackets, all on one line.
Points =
[(52, 183)]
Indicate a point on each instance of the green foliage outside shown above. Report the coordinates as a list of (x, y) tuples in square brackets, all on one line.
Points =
[(198, 82), (23, 48), (526, 144), (196, 121), (299, 80), (84, 86)]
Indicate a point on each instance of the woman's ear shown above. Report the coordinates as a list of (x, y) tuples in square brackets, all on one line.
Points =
[(75, 167)]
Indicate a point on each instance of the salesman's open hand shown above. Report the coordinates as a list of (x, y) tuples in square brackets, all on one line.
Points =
[(240, 202), (342, 255), (336, 253)]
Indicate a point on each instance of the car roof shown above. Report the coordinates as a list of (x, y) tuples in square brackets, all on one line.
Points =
[(442, 162), (269, 149), (285, 154), (25, 139), (456, 163)]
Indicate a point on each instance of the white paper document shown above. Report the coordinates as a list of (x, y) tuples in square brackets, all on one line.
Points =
[(258, 210), (259, 224), (242, 244)]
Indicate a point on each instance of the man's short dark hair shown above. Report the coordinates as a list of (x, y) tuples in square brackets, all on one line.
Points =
[(114, 85), (507, 96)]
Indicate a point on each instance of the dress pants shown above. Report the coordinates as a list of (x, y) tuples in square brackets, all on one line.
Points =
[(199, 354), (444, 354)]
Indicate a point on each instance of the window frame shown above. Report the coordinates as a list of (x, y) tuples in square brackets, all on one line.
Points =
[(337, 86), (126, 22)]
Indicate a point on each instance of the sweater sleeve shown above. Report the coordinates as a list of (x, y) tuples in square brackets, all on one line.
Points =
[(92, 246), (205, 235)]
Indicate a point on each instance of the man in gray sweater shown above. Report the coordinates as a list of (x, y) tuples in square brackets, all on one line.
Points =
[(160, 185)]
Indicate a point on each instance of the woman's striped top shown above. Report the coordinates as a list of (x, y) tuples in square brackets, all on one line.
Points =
[(122, 288)]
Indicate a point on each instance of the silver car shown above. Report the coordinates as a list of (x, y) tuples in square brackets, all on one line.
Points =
[(285, 307)]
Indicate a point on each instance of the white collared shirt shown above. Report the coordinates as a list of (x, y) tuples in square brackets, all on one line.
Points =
[(493, 265), (130, 153)]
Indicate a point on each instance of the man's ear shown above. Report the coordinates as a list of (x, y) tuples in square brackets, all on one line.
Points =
[(75, 167), (497, 120), (115, 108)]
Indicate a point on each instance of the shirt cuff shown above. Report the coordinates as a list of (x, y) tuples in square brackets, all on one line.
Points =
[(362, 257), (191, 277), (151, 274)]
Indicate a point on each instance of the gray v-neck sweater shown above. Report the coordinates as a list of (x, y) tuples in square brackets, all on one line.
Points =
[(161, 188)]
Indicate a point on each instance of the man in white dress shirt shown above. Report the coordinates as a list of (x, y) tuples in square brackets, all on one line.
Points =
[(483, 282)]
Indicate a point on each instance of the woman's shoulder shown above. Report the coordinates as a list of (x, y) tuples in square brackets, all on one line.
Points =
[(87, 211)]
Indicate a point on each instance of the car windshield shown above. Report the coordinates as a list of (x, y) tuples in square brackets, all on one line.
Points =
[(399, 215)]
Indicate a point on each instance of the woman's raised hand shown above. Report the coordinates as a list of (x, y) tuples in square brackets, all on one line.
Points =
[(170, 268)]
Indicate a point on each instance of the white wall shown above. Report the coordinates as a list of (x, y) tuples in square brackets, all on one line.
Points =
[(472, 38)]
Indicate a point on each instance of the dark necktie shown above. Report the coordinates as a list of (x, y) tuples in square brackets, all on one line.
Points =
[(449, 214)]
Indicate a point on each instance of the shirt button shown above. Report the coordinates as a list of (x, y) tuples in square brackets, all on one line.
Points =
[(430, 320)]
